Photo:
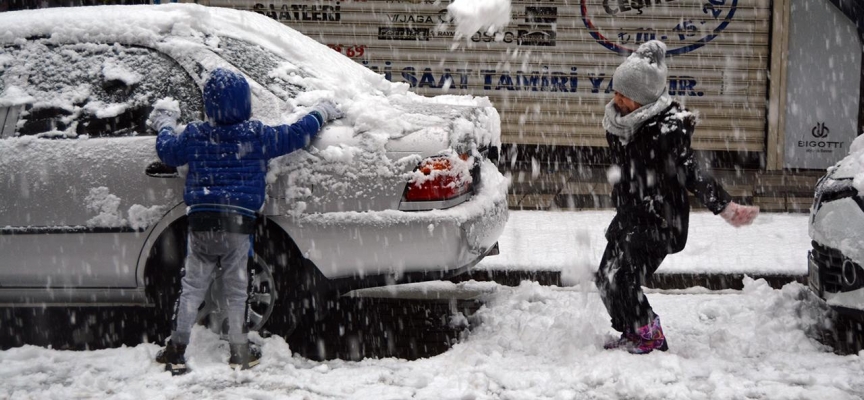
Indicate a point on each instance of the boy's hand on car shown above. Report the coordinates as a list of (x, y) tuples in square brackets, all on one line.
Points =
[(738, 215), (328, 110), (162, 118)]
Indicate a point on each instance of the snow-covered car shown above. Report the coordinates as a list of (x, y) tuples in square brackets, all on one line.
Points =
[(402, 189), (835, 271)]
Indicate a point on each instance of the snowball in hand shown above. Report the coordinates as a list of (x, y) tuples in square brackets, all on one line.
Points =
[(168, 104)]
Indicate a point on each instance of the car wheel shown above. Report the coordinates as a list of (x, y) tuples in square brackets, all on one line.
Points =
[(301, 295), (262, 294), (285, 310), (848, 334), (285, 291), (259, 305)]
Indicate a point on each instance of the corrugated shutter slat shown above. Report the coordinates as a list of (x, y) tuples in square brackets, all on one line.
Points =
[(548, 76)]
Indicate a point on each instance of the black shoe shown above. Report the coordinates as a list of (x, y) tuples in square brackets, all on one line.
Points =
[(244, 356), (626, 339), (174, 358)]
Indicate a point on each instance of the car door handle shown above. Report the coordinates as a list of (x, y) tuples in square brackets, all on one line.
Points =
[(158, 169)]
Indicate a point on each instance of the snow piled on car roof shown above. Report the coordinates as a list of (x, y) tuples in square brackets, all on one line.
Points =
[(177, 28), (180, 29)]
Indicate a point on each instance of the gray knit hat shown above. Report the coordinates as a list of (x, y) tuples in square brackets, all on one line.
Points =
[(642, 76)]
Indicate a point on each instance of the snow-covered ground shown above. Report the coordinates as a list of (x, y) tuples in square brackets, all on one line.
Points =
[(529, 342), (572, 242), (533, 342)]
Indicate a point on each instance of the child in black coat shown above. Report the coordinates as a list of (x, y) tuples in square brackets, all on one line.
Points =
[(653, 169)]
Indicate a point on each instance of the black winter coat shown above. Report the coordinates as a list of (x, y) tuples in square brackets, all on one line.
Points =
[(657, 168)]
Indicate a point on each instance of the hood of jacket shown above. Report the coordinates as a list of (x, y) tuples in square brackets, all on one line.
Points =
[(227, 98)]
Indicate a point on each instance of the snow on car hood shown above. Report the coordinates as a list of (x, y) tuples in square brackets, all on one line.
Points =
[(848, 172), (852, 166)]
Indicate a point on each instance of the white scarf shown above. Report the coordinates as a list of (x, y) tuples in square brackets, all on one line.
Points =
[(625, 126)]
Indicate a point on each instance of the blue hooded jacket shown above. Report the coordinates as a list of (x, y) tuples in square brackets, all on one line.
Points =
[(229, 154)]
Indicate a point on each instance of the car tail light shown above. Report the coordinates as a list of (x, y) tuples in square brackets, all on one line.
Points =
[(439, 179)]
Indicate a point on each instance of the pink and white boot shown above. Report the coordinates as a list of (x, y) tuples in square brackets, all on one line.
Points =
[(649, 338)]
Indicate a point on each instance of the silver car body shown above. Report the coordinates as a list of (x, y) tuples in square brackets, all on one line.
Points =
[(837, 229), (79, 216)]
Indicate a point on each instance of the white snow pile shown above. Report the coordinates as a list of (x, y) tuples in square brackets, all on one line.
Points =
[(15, 96), (850, 167), (471, 16), (141, 217), (113, 71), (532, 342), (856, 155), (105, 205)]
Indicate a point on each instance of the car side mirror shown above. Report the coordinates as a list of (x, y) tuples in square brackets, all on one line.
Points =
[(158, 169)]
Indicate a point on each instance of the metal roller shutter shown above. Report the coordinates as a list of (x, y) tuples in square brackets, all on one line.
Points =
[(549, 71)]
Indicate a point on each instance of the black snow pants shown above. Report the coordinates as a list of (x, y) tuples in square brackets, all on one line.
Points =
[(625, 267)]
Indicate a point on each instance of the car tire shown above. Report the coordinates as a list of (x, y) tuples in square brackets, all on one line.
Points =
[(383, 327), (259, 305), (848, 334), (302, 294), (286, 290)]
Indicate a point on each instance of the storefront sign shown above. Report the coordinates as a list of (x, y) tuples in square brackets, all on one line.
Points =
[(824, 72)]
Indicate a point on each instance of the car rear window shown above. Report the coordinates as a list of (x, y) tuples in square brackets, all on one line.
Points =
[(271, 71), (100, 90)]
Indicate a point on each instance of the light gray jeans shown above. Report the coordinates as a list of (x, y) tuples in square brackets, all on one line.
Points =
[(219, 256)]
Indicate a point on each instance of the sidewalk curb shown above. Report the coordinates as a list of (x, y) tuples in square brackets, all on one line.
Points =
[(657, 281), (718, 281), (511, 277)]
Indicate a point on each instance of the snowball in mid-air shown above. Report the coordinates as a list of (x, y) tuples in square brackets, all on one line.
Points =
[(471, 16)]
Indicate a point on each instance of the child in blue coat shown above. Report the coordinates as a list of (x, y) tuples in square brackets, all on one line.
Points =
[(225, 188)]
